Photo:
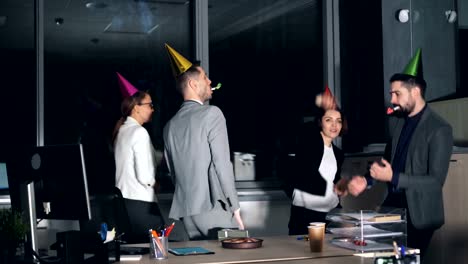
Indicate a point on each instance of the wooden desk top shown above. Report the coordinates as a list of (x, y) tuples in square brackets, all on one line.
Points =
[(275, 249)]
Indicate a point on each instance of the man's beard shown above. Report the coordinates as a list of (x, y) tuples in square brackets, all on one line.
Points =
[(404, 111), (400, 113), (206, 97)]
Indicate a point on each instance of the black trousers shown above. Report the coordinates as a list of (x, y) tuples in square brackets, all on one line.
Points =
[(301, 217), (142, 217), (417, 238)]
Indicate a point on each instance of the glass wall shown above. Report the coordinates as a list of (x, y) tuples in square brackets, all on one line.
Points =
[(85, 44), (18, 77), (268, 56)]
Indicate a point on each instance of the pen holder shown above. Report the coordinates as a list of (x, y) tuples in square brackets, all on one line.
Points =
[(158, 248)]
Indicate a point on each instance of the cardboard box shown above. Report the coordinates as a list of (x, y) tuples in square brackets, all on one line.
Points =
[(244, 166)]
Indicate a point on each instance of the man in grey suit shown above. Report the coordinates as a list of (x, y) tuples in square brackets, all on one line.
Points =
[(197, 153), (419, 155)]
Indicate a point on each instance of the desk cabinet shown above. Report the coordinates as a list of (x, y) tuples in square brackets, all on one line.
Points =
[(450, 243)]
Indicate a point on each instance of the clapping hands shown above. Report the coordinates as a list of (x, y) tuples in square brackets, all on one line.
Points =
[(325, 101), (357, 185)]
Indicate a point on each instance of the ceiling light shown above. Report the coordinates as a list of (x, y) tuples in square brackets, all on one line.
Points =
[(58, 21), (153, 29), (95, 5), (3, 20)]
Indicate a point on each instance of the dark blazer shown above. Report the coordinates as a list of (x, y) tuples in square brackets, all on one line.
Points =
[(309, 152), (426, 168)]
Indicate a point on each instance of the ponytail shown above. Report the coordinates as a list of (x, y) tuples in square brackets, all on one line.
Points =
[(126, 108), (116, 129)]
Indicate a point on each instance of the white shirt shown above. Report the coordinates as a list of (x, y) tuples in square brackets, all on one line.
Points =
[(320, 203), (135, 162), (195, 100)]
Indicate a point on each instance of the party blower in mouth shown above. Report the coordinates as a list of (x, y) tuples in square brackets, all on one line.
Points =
[(216, 87), (392, 110)]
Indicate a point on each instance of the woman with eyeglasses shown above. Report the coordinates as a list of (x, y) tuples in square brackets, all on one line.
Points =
[(136, 166)]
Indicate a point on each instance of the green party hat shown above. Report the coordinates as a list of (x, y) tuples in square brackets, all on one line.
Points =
[(414, 67)]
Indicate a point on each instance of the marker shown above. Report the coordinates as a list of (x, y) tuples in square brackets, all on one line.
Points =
[(169, 229), (104, 231), (395, 250), (402, 251)]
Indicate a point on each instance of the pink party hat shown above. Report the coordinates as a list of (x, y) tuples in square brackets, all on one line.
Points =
[(126, 88)]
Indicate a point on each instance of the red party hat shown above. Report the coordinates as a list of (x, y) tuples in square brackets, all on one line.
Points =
[(328, 94), (327, 91)]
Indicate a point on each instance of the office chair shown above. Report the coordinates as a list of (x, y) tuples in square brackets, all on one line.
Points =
[(106, 208)]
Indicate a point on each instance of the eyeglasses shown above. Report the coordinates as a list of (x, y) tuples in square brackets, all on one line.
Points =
[(150, 104)]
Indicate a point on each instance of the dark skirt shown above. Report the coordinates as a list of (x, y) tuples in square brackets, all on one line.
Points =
[(142, 217)]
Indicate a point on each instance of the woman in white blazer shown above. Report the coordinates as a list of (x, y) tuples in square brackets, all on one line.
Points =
[(136, 166)]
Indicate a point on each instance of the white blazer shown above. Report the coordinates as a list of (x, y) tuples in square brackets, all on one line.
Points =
[(135, 162)]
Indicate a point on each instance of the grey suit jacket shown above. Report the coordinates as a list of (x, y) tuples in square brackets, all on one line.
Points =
[(197, 154), (426, 168)]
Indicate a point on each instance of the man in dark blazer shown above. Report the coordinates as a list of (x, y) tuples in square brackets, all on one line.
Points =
[(197, 154), (417, 158)]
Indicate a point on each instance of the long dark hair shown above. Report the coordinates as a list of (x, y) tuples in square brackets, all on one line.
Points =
[(126, 108)]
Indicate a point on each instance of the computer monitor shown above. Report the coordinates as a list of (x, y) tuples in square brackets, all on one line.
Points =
[(4, 190), (60, 184)]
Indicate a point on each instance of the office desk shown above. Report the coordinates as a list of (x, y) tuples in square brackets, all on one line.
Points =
[(276, 249)]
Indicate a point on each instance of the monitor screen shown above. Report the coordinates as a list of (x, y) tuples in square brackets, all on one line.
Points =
[(4, 191), (3, 177), (61, 190)]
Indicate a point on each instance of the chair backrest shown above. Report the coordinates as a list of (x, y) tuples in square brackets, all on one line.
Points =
[(106, 208)]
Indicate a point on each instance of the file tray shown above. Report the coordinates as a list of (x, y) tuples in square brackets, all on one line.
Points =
[(371, 245)]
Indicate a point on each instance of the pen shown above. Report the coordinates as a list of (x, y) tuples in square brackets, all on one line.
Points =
[(103, 231), (402, 251), (306, 238), (395, 250)]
